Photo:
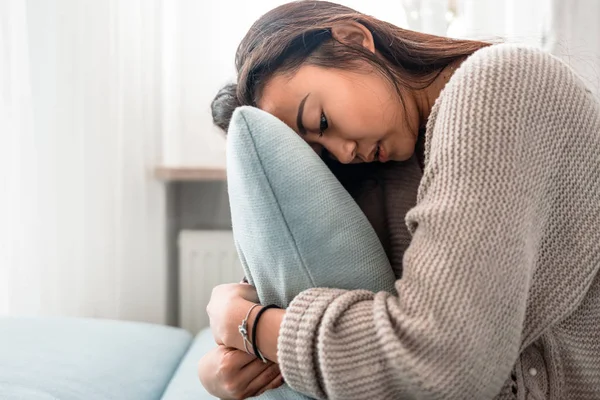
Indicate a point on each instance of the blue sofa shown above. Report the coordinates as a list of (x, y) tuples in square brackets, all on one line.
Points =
[(93, 359)]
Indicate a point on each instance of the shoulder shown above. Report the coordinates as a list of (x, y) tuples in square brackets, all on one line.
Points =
[(505, 96), (511, 84), (505, 52), (508, 70), (516, 61)]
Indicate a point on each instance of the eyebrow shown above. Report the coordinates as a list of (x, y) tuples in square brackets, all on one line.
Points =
[(301, 127)]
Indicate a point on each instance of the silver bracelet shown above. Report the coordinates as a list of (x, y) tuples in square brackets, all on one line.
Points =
[(243, 328)]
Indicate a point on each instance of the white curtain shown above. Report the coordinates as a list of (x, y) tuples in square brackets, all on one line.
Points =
[(82, 221)]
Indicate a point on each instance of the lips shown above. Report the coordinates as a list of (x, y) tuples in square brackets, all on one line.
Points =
[(378, 153), (382, 155)]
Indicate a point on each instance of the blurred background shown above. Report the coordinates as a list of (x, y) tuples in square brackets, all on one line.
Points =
[(113, 199)]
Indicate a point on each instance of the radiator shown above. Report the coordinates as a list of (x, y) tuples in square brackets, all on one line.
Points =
[(206, 259)]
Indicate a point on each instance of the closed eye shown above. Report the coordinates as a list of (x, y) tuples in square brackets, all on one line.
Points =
[(323, 124)]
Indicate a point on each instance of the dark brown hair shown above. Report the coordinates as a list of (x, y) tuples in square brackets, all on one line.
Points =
[(299, 33)]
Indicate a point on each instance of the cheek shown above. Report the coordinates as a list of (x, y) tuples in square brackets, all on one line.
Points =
[(363, 120), (362, 107)]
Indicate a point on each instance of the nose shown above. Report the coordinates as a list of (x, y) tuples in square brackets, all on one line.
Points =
[(345, 152)]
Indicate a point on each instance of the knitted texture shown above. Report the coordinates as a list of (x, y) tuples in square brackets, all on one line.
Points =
[(499, 290)]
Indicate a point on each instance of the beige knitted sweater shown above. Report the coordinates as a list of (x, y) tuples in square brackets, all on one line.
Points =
[(499, 289)]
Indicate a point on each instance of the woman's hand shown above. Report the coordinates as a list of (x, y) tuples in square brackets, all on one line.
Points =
[(233, 374), (226, 309), (229, 304)]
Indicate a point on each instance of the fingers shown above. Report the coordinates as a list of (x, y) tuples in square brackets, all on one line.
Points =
[(249, 293), (233, 374), (237, 359), (253, 369), (275, 383), (270, 377)]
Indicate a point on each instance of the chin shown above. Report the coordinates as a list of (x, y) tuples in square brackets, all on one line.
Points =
[(402, 150), (403, 156), (399, 148), (400, 159)]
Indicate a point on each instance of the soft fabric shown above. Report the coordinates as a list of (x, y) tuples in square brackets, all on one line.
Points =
[(185, 384), (294, 225), (499, 293), (75, 359)]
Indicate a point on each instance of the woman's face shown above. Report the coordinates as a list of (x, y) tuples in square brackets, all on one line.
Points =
[(351, 114)]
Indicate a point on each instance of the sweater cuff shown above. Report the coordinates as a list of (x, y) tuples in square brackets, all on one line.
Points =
[(298, 339)]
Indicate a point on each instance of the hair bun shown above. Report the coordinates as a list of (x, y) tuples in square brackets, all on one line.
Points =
[(223, 106)]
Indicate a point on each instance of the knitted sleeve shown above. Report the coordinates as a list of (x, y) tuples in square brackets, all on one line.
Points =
[(454, 330)]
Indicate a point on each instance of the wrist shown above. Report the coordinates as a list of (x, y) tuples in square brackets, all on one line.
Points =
[(238, 310), (267, 331)]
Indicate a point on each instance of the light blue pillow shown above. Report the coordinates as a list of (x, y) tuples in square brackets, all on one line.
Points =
[(294, 225)]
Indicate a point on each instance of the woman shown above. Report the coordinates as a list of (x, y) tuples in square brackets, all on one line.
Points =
[(499, 295)]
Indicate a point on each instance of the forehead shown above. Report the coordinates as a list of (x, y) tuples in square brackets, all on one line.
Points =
[(283, 93), (280, 98)]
